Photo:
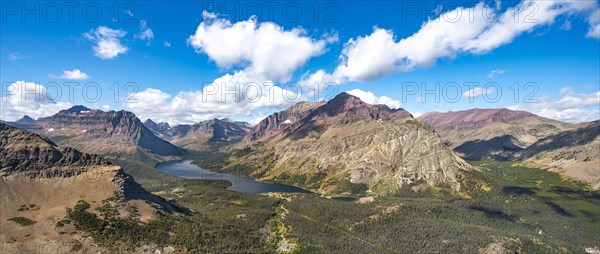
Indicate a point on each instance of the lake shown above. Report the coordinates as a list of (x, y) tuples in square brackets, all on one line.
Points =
[(185, 169)]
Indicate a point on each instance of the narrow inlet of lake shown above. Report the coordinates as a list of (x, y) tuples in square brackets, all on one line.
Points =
[(185, 169)]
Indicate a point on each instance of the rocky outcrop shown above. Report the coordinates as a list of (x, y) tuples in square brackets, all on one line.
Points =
[(25, 152), (497, 134), (346, 145)]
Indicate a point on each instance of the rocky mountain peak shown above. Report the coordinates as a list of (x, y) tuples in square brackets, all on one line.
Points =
[(343, 102), (164, 125), (346, 100), (149, 122), (159, 128), (77, 108), (346, 108), (25, 119)]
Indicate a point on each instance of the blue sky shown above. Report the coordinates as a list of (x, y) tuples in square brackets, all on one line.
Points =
[(379, 52)]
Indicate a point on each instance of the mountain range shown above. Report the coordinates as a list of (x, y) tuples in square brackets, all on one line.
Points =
[(329, 146), (200, 136), (343, 147)]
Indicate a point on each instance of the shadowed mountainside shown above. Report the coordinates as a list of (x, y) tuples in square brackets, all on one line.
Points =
[(478, 134)]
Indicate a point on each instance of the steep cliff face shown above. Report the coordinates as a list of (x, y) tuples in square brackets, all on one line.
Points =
[(346, 144), (491, 133), (103, 132)]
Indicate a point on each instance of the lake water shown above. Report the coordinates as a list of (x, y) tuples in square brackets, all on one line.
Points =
[(185, 169)]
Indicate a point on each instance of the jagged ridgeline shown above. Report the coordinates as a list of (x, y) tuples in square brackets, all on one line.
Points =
[(347, 146), (97, 131)]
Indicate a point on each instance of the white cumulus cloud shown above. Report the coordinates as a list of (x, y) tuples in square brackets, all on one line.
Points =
[(74, 74), (107, 42), (371, 98), (27, 98), (266, 48), (570, 107), (259, 55), (239, 101), (476, 30)]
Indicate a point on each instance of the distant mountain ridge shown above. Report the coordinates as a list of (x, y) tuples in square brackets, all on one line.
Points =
[(97, 131), (472, 117), (583, 135), (158, 129), (491, 133), (199, 136), (523, 137)]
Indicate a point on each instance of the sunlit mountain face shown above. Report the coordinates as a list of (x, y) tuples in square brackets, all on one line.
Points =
[(300, 127)]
